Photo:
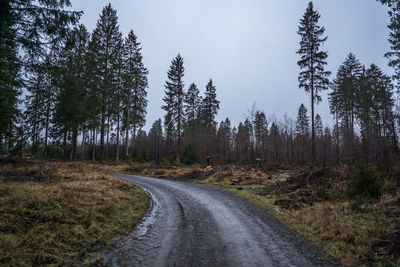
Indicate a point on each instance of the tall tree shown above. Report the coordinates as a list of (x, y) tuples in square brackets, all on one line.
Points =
[(107, 38), (319, 127), (134, 84), (174, 97), (28, 30), (192, 104), (344, 96), (156, 138), (394, 37), (260, 131), (302, 128), (210, 105), (313, 78), (72, 85)]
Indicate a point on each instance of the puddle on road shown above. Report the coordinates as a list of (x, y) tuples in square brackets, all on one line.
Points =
[(149, 219)]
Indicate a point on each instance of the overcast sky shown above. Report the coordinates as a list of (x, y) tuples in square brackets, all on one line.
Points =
[(248, 47)]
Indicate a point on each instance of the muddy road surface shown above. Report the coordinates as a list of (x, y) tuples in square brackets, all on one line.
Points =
[(196, 225)]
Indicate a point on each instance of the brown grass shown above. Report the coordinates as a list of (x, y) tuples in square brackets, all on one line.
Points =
[(62, 213), (317, 208)]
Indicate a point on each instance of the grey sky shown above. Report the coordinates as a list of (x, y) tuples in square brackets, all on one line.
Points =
[(248, 47)]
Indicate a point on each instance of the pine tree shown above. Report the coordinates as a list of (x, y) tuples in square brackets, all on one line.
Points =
[(107, 38), (174, 98), (134, 87), (314, 78)]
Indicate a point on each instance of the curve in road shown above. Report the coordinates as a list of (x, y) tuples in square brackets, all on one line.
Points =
[(196, 225)]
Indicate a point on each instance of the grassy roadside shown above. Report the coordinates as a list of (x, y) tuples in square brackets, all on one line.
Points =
[(62, 213), (316, 206)]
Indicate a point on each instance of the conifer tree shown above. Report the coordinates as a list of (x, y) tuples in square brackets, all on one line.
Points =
[(302, 122), (192, 104), (72, 86), (28, 30), (210, 105), (394, 37), (134, 88), (174, 99), (344, 97), (224, 139), (302, 128), (107, 38), (313, 78), (260, 130), (156, 136), (319, 127)]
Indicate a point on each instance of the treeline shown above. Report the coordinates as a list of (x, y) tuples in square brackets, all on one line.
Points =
[(86, 98)]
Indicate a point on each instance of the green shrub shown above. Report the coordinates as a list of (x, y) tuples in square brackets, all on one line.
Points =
[(189, 155), (365, 182)]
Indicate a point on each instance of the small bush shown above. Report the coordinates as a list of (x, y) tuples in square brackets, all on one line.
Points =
[(365, 182), (189, 155)]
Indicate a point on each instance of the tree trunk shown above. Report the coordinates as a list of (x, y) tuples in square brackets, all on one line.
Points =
[(127, 134), (47, 128), (117, 138), (94, 145)]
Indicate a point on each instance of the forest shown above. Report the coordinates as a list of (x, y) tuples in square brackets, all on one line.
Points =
[(67, 93), (78, 166)]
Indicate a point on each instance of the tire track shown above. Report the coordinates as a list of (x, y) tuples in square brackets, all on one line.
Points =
[(195, 225)]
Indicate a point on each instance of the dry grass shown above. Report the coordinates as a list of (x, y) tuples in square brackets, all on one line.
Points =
[(317, 210), (62, 213)]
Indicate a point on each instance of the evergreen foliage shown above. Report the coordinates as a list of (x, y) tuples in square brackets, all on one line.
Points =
[(174, 100), (313, 78), (365, 182)]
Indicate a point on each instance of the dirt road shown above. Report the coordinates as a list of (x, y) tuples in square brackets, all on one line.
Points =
[(195, 225)]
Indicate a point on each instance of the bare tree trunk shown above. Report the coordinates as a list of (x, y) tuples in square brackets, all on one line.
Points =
[(117, 139), (47, 128), (94, 145), (127, 136)]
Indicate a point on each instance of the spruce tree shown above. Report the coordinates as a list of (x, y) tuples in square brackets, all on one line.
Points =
[(210, 105), (344, 97), (319, 127), (156, 138), (302, 122), (394, 37), (28, 31), (313, 78), (192, 104), (107, 38), (134, 88), (174, 99), (260, 131), (72, 86), (302, 128)]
